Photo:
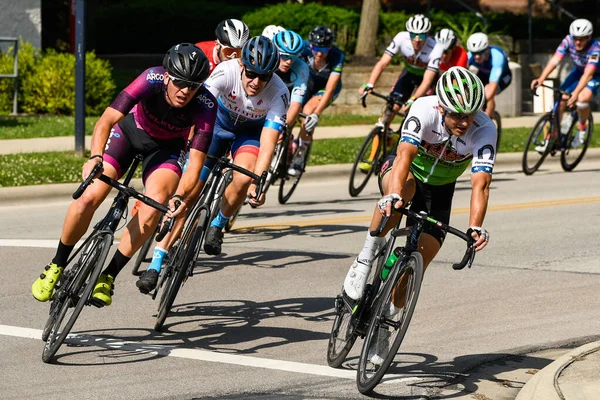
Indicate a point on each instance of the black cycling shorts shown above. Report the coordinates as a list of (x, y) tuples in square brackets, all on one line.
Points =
[(406, 84), (436, 201)]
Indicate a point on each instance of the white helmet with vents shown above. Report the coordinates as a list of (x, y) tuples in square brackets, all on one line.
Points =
[(418, 24), (446, 38), (581, 28), (477, 42), (459, 90), (232, 33), (271, 30)]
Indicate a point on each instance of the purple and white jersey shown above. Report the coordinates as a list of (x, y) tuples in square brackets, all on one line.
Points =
[(587, 58), (240, 113), (145, 99)]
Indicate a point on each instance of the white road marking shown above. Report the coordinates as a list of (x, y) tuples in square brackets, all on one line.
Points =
[(39, 243), (201, 355)]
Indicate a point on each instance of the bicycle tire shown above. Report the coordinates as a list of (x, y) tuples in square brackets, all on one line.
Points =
[(566, 164), (142, 255), (286, 191), (187, 252), (498, 122), (275, 168), (362, 156), (414, 265), (81, 287), (342, 323), (537, 137)]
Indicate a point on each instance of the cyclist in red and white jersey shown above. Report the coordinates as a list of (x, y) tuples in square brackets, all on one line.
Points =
[(453, 55), (231, 36)]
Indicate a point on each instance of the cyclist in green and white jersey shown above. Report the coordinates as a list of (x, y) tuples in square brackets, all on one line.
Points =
[(441, 136)]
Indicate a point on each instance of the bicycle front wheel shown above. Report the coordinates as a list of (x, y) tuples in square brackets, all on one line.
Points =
[(181, 265), (343, 333), (539, 144), (366, 160), (571, 155), (389, 324), (288, 185), (75, 293)]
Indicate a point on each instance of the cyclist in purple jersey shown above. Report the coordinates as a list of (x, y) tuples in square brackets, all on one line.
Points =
[(151, 117), (584, 80)]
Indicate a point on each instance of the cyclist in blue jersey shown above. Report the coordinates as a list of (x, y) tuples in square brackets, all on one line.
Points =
[(325, 62), (584, 80), (490, 63), (293, 71)]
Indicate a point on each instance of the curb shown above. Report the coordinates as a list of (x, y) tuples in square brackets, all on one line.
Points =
[(313, 174), (544, 384)]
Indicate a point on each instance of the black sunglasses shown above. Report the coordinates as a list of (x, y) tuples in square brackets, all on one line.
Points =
[(253, 75), (182, 84)]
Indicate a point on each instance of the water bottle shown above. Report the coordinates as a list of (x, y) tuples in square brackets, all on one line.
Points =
[(566, 123), (389, 263)]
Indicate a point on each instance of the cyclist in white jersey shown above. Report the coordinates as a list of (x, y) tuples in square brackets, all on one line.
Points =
[(441, 136), (421, 56), (251, 116)]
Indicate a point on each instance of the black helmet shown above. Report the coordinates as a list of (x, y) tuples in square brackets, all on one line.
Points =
[(260, 55), (321, 36), (232, 33), (187, 62)]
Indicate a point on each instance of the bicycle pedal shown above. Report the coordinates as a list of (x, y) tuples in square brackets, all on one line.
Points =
[(96, 303)]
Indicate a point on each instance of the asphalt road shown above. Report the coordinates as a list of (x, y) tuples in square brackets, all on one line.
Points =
[(254, 322)]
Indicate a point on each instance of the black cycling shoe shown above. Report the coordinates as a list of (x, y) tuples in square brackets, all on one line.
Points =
[(147, 281), (213, 241)]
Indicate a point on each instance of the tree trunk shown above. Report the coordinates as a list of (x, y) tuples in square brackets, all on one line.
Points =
[(367, 31)]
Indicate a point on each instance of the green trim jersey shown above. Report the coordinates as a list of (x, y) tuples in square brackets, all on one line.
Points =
[(443, 157)]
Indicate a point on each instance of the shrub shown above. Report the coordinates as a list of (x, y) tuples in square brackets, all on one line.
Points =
[(47, 83), (303, 18)]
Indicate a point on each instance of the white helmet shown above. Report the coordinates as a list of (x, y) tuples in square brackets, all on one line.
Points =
[(459, 90), (271, 30), (232, 33), (446, 38), (477, 42), (581, 28), (418, 24)]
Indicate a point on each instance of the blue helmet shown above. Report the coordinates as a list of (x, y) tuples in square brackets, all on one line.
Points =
[(289, 42), (260, 55)]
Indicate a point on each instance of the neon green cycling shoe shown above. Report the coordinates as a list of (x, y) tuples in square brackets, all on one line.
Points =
[(44, 285), (103, 291), (364, 167)]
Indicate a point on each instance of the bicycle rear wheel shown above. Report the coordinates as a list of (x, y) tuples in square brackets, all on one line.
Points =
[(74, 293), (498, 122), (360, 177), (289, 184), (542, 138), (181, 265), (569, 156), (386, 331)]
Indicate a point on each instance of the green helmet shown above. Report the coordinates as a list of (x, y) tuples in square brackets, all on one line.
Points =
[(460, 90)]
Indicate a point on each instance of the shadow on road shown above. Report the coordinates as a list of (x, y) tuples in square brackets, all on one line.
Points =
[(259, 233)]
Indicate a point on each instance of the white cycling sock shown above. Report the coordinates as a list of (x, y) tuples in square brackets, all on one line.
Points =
[(370, 247)]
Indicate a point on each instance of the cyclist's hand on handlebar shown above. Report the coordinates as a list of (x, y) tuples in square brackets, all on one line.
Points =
[(385, 204), (535, 83), (311, 121), (177, 206), (481, 236), (254, 202), (87, 168), (572, 100), (365, 89)]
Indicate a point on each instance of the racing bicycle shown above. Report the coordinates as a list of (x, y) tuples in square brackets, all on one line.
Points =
[(397, 275)]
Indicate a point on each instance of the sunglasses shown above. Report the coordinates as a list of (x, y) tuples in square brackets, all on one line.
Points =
[(320, 49), (182, 83), (285, 57), (460, 116), (253, 75), (230, 52), (421, 36), (478, 53)]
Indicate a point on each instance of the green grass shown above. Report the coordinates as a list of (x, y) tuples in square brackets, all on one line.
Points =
[(41, 126)]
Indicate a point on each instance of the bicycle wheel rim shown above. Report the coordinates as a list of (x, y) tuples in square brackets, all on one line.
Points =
[(354, 187), (532, 159), (370, 374), (83, 283), (182, 262), (343, 335), (286, 190), (571, 157)]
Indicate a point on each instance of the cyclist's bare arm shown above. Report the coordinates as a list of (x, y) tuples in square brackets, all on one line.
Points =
[(293, 112), (189, 186), (109, 118), (383, 62), (553, 63), (268, 140), (428, 78), (480, 194), (405, 155)]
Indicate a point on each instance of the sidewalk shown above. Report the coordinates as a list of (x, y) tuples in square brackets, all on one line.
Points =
[(66, 143)]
